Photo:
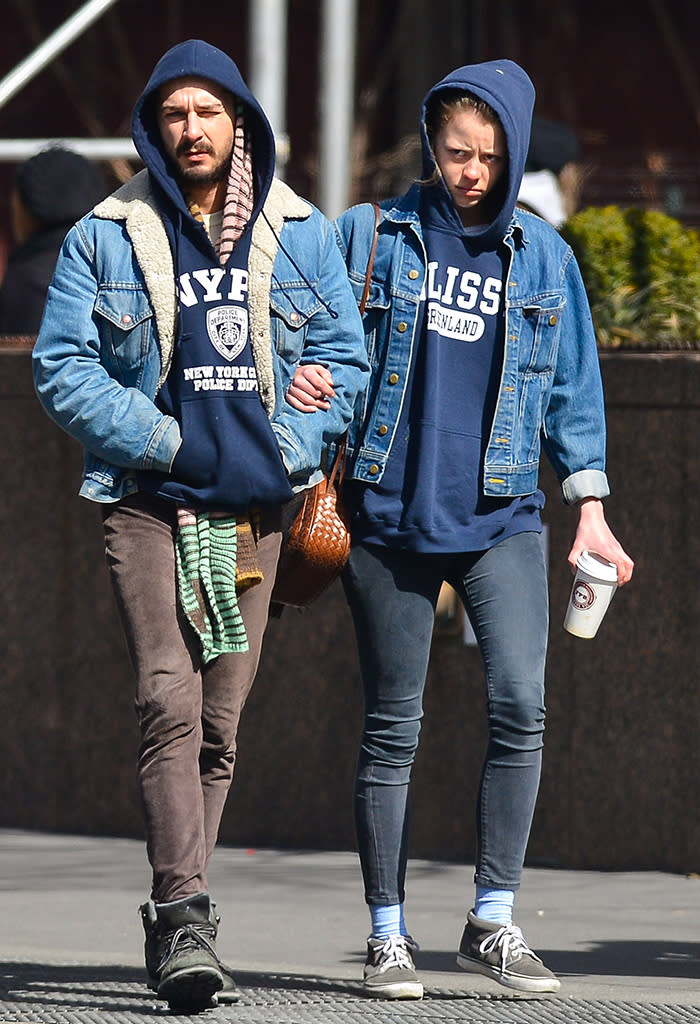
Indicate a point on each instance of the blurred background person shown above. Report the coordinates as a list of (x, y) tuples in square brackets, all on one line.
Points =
[(52, 190), (553, 149)]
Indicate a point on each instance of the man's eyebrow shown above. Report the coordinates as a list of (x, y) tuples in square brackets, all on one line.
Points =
[(212, 104)]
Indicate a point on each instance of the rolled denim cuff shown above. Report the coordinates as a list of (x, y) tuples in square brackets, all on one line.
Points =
[(587, 483), (163, 446)]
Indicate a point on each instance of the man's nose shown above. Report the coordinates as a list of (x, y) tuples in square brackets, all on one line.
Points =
[(193, 126)]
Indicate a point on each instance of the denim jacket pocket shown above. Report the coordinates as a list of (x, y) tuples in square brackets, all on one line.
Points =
[(539, 334), (534, 396), (291, 310), (127, 324), (376, 323)]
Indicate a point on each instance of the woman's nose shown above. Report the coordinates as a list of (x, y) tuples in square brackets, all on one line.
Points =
[(471, 168)]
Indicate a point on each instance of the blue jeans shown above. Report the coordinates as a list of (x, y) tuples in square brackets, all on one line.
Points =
[(392, 597)]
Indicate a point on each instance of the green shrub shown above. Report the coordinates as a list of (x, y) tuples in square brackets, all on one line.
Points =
[(642, 275)]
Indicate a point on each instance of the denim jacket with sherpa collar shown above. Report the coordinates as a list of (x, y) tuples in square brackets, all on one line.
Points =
[(550, 393), (106, 341)]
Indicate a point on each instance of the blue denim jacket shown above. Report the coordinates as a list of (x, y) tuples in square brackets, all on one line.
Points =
[(106, 340), (550, 394)]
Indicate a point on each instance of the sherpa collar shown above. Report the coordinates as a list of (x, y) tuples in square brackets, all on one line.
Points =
[(134, 203)]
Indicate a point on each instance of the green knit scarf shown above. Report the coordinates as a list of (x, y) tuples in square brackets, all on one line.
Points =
[(205, 553)]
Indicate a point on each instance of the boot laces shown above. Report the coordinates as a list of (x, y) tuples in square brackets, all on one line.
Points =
[(510, 942), (189, 936)]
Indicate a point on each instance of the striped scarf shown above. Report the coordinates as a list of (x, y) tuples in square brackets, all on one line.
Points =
[(238, 206), (240, 193)]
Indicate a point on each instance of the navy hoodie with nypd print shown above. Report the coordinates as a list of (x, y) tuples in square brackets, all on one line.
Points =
[(430, 497), (229, 458)]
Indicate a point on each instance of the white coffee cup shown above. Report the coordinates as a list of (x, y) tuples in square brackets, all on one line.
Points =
[(592, 591)]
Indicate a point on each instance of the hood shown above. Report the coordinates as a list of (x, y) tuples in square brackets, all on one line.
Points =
[(200, 59), (507, 88)]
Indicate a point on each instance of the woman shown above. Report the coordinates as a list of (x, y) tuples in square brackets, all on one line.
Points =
[(482, 348)]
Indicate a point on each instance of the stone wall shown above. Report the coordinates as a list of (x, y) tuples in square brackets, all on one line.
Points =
[(621, 754)]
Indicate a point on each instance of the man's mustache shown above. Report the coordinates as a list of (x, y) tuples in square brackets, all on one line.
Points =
[(196, 147)]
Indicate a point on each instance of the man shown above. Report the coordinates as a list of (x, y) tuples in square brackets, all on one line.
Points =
[(179, 310)]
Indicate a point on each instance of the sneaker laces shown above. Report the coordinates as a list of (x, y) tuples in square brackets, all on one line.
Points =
[(395, 953), (189, 936), (510, 943)]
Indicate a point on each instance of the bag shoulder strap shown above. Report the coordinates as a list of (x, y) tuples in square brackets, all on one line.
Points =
[(338, 471), (370, 261), (341, 455)]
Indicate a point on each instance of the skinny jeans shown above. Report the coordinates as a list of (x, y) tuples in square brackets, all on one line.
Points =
[(392, 595), (188, 713)]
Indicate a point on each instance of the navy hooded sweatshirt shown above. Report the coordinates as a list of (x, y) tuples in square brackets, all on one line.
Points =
[(430, 497), (229, 458)]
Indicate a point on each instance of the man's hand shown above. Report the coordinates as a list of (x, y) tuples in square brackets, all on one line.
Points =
[(311, 388), (594, 534)]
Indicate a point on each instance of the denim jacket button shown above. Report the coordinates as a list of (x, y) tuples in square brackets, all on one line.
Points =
[(373, 469), (383, 430), (552, 320), (126, 319), (413, 274), (393, 378), (402, 327)]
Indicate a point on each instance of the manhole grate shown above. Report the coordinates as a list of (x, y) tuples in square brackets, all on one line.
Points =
[(78, 994)]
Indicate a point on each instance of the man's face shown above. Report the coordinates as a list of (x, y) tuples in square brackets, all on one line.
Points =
[(196, 118), (471, 154)]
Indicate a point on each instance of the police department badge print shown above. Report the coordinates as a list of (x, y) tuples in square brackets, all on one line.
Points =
[(227, 327)]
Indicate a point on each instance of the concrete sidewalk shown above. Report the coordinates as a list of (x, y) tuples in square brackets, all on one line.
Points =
[(294, 927)]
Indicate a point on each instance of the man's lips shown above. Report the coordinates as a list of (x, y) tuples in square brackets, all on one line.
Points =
[(192, 154)]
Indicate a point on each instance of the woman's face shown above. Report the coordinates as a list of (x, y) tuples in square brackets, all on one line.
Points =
[(471, 154)]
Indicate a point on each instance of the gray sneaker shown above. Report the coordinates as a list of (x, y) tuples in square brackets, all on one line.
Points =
[(501, 952), (228, 993), (181, 953), (389, 969)]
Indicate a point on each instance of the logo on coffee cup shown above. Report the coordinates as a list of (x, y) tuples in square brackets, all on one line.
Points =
[(583, 596)]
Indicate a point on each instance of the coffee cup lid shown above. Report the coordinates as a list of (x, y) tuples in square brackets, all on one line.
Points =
[(595, 565)]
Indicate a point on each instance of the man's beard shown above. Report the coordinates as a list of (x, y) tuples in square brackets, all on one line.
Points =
[(202, 175)]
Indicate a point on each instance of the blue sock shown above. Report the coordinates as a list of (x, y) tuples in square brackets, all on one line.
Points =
[(494, 904), (387, 920)]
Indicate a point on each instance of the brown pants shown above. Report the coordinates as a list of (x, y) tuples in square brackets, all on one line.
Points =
[(188, 713)]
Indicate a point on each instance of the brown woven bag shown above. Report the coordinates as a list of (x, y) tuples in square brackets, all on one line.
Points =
[(316, 541), (316, 533)]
